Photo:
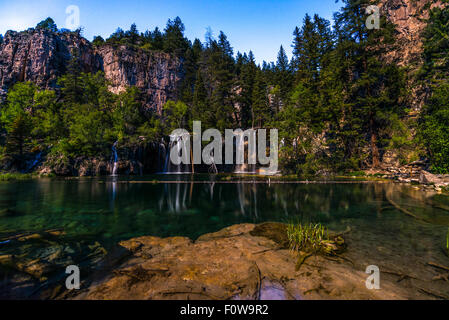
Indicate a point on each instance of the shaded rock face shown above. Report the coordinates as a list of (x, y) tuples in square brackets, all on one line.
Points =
[(41, 56), (155, 73), (409, 16), (231, 264)]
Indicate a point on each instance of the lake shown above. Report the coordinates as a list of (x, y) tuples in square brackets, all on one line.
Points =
[(395, 223)]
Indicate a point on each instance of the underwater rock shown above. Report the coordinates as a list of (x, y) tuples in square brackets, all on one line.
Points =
[(238, 262)]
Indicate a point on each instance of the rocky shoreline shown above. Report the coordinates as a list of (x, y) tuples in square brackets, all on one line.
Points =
[(244, 262)]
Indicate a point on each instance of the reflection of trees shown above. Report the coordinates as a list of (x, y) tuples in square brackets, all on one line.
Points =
[(174, 197)]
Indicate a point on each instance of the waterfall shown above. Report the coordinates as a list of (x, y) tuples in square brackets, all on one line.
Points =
[(244, 167), (170, 168), (115, 158), (31, 164)]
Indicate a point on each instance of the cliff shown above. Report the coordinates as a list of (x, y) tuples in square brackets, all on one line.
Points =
[(157, 74), (41, 56), (410, 17)]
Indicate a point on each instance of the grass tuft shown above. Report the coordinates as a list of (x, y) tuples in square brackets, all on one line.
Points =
[(15, 176), (307, 240)]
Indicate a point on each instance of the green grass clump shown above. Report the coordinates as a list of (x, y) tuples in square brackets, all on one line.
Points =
[(15, 176), (307, 240)]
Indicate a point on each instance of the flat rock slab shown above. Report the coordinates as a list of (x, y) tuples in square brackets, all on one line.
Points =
[(230, 264)]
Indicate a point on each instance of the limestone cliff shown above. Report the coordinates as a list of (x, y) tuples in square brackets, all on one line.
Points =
[(157, 74), (41, 56), (410, 17)]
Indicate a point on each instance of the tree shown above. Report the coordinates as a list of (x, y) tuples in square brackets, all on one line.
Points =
[(98, 41), (71, 82), (175, 115), (47, 24), (374, 85), (218, 64), (312, 46), (434, 125), (247, 77), (126, 115), (173, 39), (16, 118), (260, 106), (132, 35), (283, 75)]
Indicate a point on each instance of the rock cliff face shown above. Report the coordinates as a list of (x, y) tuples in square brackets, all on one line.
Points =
[(41, 56), (155, 73), (409, 16)]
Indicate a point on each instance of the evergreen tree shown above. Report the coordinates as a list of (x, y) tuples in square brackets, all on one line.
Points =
[(173, 39), (373, 85), (16, 116), (260, 108), (47, 24), (132, 35), (434, 126), (71, 81), (283, 75), (246, 84), (98, 41)]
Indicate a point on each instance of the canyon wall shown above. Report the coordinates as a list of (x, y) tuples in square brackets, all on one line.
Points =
[(41, 56)]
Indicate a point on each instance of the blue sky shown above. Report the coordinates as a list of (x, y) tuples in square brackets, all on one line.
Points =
[(258, 25)]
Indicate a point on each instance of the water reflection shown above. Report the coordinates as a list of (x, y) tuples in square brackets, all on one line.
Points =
[(116, 209)]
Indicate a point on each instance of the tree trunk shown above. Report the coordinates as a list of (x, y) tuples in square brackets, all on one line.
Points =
[(374, 148)]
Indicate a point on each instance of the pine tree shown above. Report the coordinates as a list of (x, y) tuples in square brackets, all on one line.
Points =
[(373, 85), (261, 112), (246, 85), (132, 35), (434, 126), (283, 75), (71, 82), (173, 38)]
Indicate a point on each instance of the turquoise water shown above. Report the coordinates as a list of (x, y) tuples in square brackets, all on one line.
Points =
[(107, 210)]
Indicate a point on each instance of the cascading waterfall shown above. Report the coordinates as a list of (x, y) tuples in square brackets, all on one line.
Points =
[(244, 167), (170, 168), (115, 158)]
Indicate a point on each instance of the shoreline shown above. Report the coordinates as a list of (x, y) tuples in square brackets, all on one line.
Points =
[(237, 263)]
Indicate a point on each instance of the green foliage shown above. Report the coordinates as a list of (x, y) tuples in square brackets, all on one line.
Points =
[(15, 176), (47, 24), (175, 115), (308, 238), (434, 126), (98, 41)]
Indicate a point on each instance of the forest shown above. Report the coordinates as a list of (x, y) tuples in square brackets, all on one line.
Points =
[(340, 102)]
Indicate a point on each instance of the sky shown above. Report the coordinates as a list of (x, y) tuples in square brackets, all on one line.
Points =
[(258, 25)]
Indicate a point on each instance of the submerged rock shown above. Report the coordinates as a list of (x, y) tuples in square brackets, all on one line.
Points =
[(239, 262)]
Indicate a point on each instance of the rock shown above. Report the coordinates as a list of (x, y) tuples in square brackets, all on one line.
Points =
[(429, 178), (239, 262), (30, 237), (41, 56), (157, 74), (6, 260)]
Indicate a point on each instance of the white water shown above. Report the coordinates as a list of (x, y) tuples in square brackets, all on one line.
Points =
[(170, 168), (115, 158)]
